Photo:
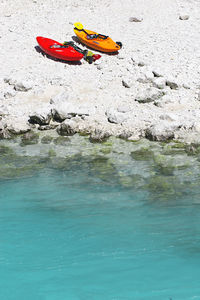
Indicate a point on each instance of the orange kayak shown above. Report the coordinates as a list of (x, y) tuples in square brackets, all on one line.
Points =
[(97, 41)]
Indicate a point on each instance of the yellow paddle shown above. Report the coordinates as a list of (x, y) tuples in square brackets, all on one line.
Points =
[(78, 25)]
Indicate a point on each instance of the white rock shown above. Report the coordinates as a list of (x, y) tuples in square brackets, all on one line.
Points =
[(68, 127), (141, 64), (184, 17), (169, 117), (172, 83), (127, 82), (157, 71), (149, 95), (159, 82), (135, 19), (18, 84), (69, 110), (9, 92), (123, 108), (41, 117), (161, 132), (149, 75), (198, 96), (59, 98), (17, 126), (116, 117)]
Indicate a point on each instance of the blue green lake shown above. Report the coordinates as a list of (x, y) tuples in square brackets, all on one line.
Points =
[(78, 231)]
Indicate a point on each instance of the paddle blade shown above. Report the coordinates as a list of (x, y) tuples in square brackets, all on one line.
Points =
[(78, 25), (96, 56)]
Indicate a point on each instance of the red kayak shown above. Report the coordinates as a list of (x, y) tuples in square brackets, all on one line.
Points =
[(58, 50)]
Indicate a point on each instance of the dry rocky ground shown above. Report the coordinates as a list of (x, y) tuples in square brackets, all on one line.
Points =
[(150, 89)]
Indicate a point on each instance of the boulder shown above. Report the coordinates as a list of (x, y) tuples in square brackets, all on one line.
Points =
[(127, 82), (157, 72), (116, 117), (69, 110), (17, 126), (172, 83), (149, 95), (41, 117), (68, 127), (184, 17), (4, 133), (159, 82), (60, 98), (19, 85), (161, 132), (99, 136), (123, 108), (9, 92)]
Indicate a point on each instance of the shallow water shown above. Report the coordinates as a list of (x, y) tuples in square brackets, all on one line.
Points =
[(68, 235), (117, 226)]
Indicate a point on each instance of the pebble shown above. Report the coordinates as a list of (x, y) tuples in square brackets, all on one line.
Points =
[(184, 17), (135, 19)]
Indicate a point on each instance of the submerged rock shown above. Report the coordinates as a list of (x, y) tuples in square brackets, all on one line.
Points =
[(142, 154), (46, 139), (61, 140), (29, 138)]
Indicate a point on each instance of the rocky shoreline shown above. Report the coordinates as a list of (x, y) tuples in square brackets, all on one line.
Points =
[(159, 111)]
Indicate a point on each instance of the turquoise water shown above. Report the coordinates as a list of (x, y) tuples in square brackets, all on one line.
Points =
[(66, 234)]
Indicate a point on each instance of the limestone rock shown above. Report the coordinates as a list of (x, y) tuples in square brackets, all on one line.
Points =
[(59, 98), (172, 83), (161, 132), (123, 108), (99, 136), (198, 96), (149, 95), (69, 110), (157, 72), (127, 82), (169, 117), (68, 127), (184, 17), (135, 19), (4, 133), (9, 92), (17, 126), (19, 85), (159, 82), (141, 64), (115, 116), (41, 117), (29, 138)]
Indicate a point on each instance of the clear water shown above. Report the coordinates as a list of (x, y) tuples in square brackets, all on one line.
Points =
[(70, 235)]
